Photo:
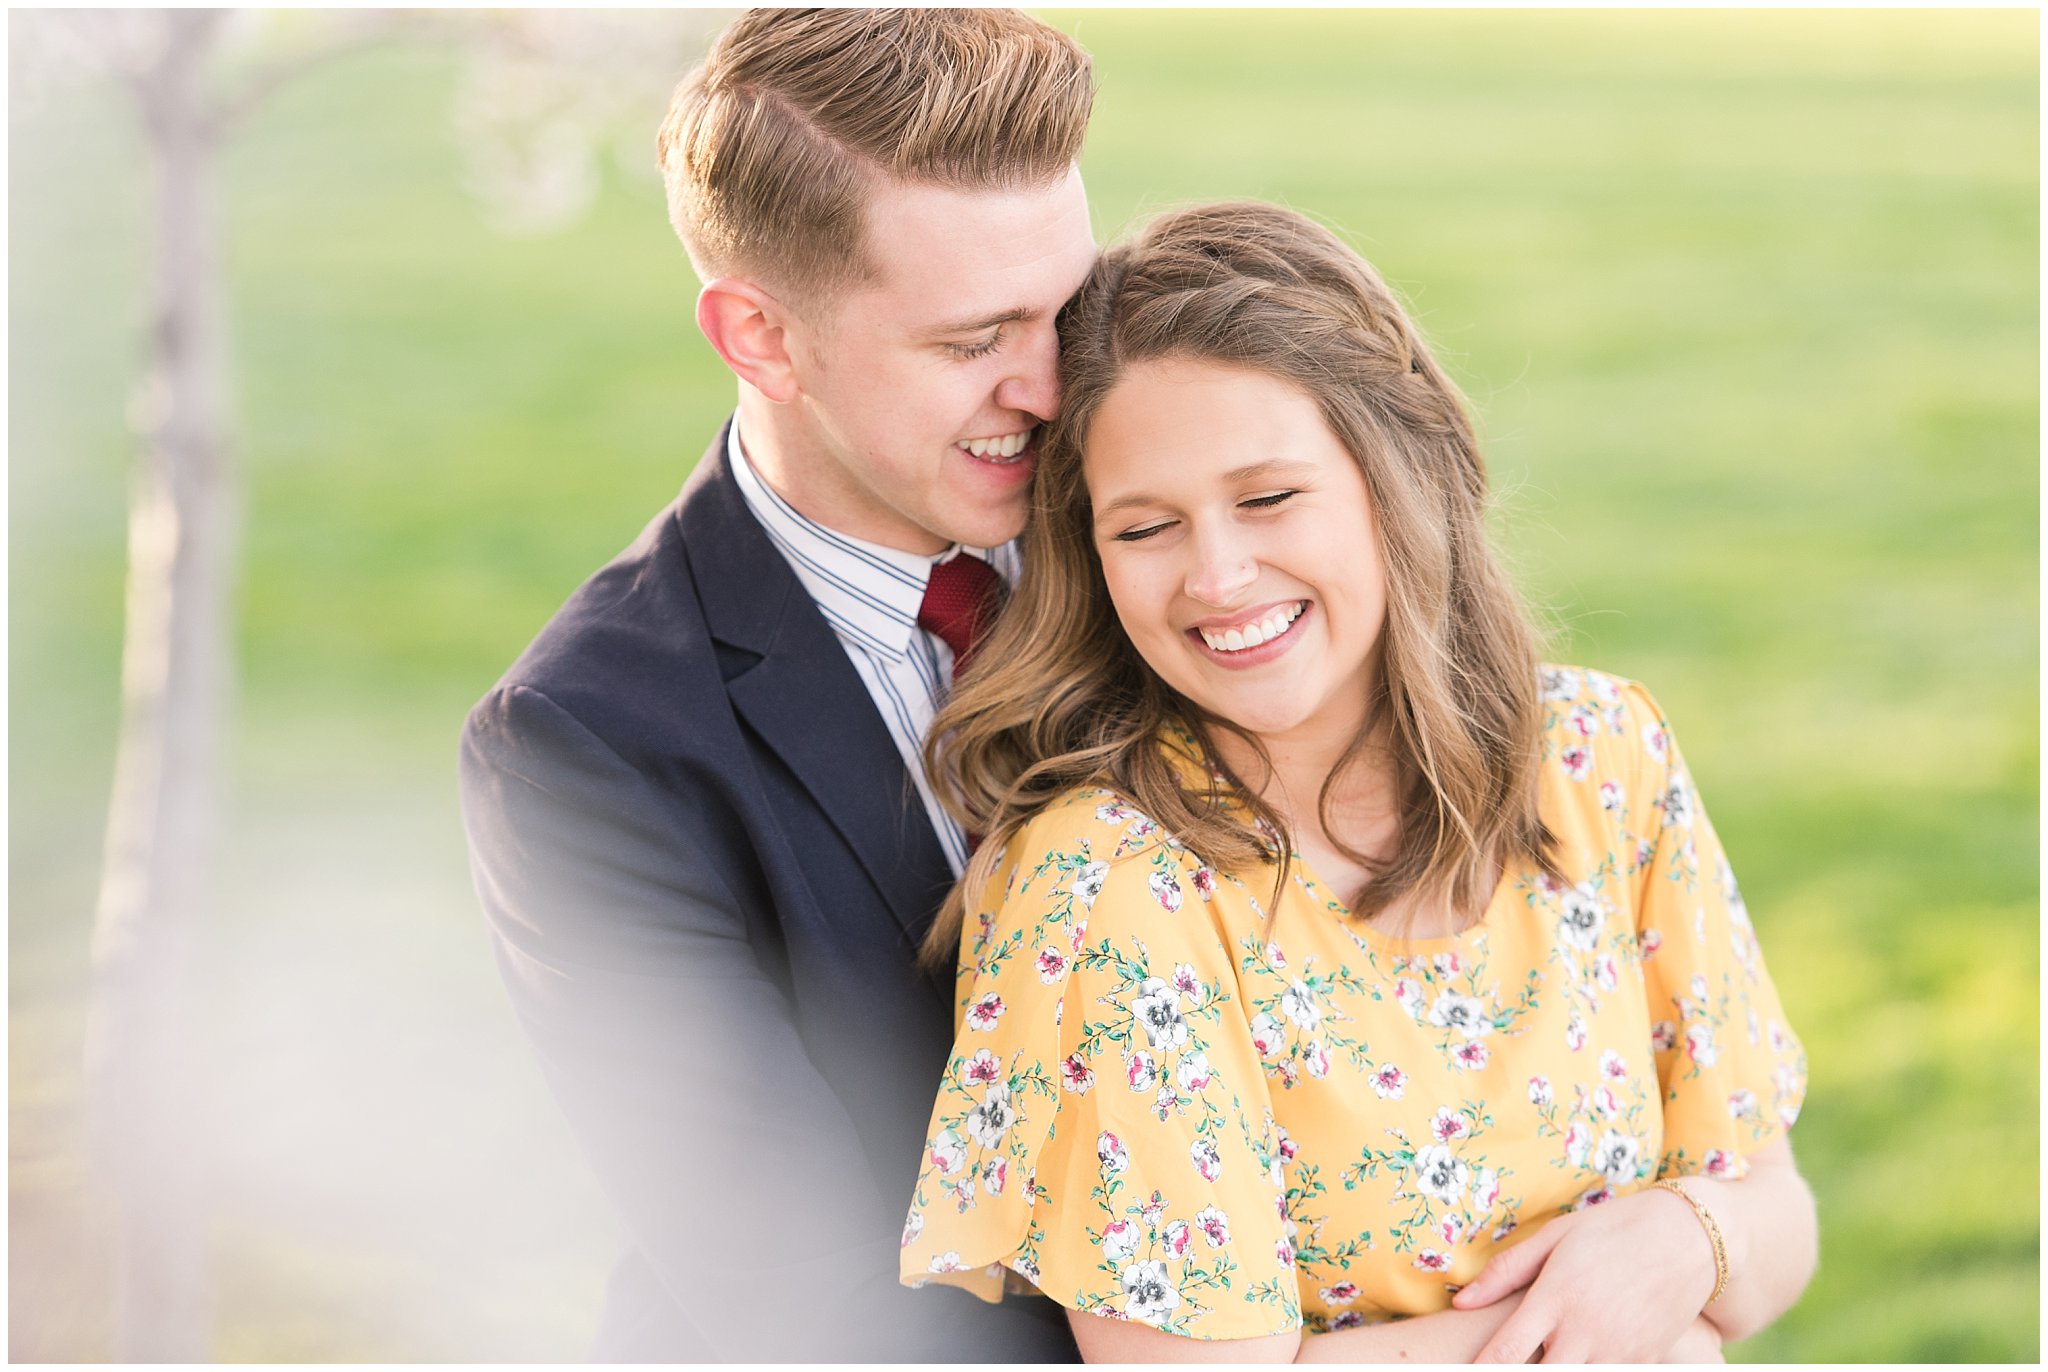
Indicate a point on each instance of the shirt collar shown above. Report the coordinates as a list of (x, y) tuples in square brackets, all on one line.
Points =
[(868, 593)]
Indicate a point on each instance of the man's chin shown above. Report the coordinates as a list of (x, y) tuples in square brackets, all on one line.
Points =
[(987, 525), (988, 537)]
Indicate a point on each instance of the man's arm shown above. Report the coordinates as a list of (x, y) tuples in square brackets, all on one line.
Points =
[(731, 1162)]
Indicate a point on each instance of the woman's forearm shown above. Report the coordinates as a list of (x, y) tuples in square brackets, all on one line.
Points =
[(1767, 1222), (1445, 1336), (1772, 1233)]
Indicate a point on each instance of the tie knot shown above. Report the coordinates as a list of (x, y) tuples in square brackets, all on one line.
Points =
[(959, 602)]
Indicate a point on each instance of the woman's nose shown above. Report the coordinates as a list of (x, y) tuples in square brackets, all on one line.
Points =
[(1222, 570)]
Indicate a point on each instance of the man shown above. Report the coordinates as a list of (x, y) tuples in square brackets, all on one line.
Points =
[(697, 818)]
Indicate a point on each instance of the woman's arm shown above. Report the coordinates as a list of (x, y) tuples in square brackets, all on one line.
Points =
[(1444, 1337), (1450, 1336), (1772, 1231), (1620, 1282), (1625, 1281)]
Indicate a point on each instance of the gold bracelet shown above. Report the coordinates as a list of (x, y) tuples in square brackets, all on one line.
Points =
[(1713, 1233)]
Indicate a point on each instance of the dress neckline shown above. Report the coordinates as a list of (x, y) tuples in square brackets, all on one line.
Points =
[(1363, 931), (1185, 749)]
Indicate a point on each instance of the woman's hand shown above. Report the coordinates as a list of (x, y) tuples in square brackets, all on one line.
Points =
[(1609, 1282), (1619, 1282), (1700, 1343)]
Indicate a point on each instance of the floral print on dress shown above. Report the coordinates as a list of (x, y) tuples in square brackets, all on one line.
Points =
[(1169, 1104)]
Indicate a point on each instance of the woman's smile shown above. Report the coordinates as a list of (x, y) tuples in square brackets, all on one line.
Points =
[(1251, 640)]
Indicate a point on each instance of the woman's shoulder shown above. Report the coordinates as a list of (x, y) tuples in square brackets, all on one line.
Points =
[(1583, 706), (1085, 832), (1606, 746), (1100, 807), (1564, 685), (1089, 855)]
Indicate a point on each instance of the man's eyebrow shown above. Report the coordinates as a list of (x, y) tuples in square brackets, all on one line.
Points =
[(979, 324), (1272, 467)]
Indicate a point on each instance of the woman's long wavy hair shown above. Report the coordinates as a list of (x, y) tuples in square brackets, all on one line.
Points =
[(1060, 699)]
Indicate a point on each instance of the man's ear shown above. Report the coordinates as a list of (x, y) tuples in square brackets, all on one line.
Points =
[(749, 328)]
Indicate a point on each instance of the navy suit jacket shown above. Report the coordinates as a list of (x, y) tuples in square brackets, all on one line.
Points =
[(706, 874)]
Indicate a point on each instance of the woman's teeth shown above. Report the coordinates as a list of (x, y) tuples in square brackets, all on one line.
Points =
[(1252, 635), (1004, 449)]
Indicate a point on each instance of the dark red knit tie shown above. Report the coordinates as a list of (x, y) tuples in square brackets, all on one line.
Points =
[(959, 602)]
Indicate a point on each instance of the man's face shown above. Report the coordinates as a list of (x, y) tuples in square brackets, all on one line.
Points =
[(920, 391)]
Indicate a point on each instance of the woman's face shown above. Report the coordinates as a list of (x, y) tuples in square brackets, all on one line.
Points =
[(1237, 540)]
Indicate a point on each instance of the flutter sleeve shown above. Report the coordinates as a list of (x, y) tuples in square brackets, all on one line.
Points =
[(1103, 1129), (1733, 1072)]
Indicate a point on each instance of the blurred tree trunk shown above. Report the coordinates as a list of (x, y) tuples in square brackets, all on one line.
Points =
[(149, 1112), (146, 1074)]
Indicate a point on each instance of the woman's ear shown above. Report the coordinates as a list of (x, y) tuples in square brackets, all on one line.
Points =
[(749, 329)]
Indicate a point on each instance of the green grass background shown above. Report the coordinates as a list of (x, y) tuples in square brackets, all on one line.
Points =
[(1747, 301)]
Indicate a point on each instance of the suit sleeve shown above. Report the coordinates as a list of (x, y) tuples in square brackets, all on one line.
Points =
[(731, 1163)]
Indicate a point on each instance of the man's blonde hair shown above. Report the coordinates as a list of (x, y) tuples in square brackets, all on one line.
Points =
[(773, 143)]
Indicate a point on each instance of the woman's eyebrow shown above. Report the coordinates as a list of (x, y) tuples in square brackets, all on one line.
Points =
[(1125, 502), (1271, 468)]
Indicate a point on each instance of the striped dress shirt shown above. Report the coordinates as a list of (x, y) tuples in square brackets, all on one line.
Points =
[(870, 595)]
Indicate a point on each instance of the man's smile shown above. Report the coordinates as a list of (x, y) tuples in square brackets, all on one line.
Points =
[(1003, 448)]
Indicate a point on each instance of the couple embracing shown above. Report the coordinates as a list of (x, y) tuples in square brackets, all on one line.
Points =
[(1070, 767)]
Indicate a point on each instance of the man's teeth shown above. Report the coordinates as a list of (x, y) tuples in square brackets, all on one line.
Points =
[(1000, 449), (1252, 635)]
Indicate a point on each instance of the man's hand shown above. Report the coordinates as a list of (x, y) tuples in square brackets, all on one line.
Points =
[(1621, 1282)]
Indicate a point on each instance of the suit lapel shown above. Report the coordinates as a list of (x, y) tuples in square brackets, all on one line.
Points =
[(788, 676)]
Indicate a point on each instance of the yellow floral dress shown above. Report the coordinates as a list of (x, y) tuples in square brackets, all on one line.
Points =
[(1161, 1108)]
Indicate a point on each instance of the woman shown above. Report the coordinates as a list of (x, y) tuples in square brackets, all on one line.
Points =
[(1327, 961)]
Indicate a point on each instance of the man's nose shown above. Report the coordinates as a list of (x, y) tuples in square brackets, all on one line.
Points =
[(1221, 568), (1034, 386)]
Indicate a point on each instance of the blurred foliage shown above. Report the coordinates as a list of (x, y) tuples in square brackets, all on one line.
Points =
[(1747, 302)]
